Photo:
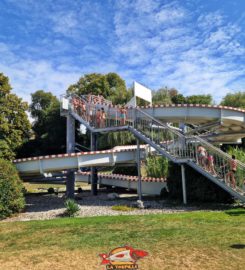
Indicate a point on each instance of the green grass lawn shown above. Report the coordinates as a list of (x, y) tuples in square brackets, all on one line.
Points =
[(194, 240)]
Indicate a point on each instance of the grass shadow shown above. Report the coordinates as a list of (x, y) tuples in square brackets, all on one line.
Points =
[(238, 246)]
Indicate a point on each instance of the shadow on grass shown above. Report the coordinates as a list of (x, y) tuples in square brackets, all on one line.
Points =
[(235, 213), (238, 246)]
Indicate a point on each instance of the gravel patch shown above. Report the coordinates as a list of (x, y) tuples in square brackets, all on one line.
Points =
[(50, 206)]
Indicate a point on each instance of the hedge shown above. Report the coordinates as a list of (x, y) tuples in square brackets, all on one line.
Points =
[(11, 190)]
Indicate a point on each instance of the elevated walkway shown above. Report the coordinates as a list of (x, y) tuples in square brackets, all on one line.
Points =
[(225, 124), (167, 141), (222, 124)]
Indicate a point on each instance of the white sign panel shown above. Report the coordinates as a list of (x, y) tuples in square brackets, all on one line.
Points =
[(65, 104), (142, 92)]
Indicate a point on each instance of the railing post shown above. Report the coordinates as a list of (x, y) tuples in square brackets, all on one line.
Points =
[(139, 189), (183, 183), (94, 171)]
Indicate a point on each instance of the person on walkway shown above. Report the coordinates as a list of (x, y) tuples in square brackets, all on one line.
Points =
[(75, 103), (123, 113), (83, 110), (103, 118), (210, 160), (90, 114), (202, 156), (98, 118), (230, 176)]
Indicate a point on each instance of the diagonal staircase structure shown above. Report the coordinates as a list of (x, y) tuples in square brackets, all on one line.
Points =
[(167, 141)]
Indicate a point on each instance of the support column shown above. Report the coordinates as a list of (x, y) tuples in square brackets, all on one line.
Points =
[(139, 189), (94, 171), (70, 148), (70, 134), (70, 184), (183, 183)]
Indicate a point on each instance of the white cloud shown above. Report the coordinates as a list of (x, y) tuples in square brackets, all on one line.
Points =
[(173, 50), (65, 22), (27, 76)]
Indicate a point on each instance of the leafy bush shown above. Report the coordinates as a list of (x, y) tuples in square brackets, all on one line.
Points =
[(72, 208), (11, 187), (156, 166), (198, 187)]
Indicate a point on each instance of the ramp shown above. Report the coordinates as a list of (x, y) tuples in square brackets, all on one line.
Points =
[(150, 185), (57, 163)]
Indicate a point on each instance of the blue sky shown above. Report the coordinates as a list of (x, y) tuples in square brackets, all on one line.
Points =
[(196, 46)]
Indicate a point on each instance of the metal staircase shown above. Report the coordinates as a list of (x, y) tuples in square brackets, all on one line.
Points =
[(164, 139)]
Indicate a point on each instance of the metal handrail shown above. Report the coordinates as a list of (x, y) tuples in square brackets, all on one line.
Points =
[(160, 123)]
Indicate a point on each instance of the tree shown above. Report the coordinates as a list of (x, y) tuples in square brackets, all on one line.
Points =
[(234, 100), (162, 96), (199, 99), (110, 86), (179, 99), (49, 127), (14, 123)]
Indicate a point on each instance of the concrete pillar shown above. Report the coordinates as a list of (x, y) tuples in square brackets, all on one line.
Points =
[(94, 171), (139, 189), (70, 184), (70, 134), (183, 183)]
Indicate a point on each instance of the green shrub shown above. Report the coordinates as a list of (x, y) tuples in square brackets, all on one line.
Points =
[(11, 190), (156, 166), (72, 208)]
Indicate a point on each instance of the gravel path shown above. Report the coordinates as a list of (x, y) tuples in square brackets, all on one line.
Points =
[(42, 207)]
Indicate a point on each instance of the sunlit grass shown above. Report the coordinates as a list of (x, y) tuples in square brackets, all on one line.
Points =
[(193, 240), (123, 208)]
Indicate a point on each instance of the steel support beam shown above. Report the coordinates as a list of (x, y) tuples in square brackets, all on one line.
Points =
[(139, 189), (70, 134), (94, 171), (70, 184), (183, 183), (70, 148)]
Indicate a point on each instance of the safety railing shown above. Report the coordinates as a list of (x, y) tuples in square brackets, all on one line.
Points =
[(192, 148), (204, 154), (99, 115)]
